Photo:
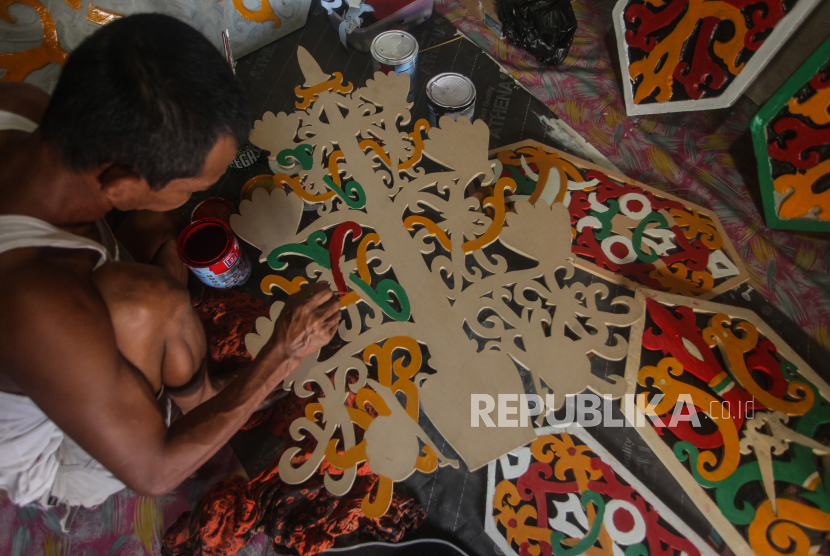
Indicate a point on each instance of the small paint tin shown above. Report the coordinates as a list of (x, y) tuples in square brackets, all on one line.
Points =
[(245, 157), (396, 51), (211, 250), (213, 207), (450, 94)]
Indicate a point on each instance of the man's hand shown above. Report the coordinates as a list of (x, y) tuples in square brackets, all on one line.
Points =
[(307, 322)]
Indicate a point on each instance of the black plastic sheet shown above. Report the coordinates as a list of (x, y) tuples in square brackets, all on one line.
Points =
[(545, 28)]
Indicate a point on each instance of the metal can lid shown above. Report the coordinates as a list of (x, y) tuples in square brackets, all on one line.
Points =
[(451, 90), (394, 47)]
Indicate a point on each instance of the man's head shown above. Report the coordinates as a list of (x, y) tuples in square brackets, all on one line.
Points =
[(151, 106)]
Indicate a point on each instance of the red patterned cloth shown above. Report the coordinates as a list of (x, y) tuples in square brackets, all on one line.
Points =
[(300, 519)]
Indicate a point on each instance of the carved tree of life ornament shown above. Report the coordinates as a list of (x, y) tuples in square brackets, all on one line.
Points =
[(599, 507), (791, 135), (623, 230), (413, 258), (761, 411), (679, 55)]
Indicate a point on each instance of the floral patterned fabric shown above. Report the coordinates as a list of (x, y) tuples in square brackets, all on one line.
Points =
[(705, 157)]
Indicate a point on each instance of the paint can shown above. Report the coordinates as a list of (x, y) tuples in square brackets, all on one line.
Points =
[(450, 94), (396, 51), (213, 207), (211, 250)]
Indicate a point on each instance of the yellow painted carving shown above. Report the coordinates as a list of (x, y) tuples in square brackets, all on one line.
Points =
[(369, 144), (294, 184), (662, 376), (544, 448), (284, 284), (504, 501), (417, 152), (814, 107), (415, 220), (546, 163), (671, 47), (373, 509), (497, 204), (264, 181), (99, 16), (694, 224), (719, 332), (310, 95), (771, 535), (803, 201), (263, 14), (387, 364), (418, 142), (362, 264), (676, 279), (20, 64)]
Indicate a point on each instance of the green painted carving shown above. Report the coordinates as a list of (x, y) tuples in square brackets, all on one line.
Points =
[(381, 297), (314, 250), (351, 188), (591, 537), (301, 154)]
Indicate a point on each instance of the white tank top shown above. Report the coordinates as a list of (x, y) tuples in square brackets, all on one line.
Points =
[(29, 440)]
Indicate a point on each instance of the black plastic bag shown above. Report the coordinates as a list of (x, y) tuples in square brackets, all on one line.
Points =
[(545, 28)]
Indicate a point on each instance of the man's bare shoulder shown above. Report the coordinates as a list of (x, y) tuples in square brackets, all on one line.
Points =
[(51, 310)]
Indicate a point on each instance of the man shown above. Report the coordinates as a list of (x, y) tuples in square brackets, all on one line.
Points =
[(146, 112)]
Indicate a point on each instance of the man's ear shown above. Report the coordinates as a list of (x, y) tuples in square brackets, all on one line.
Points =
[(123, 188)]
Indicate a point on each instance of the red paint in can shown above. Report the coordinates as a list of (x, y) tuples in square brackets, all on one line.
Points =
[(211, 250)]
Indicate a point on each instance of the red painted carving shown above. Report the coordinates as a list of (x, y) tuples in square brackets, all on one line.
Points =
[(336, 250), (794, 147)]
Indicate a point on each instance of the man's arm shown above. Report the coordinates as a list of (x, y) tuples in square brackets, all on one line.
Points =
[(58, 345)]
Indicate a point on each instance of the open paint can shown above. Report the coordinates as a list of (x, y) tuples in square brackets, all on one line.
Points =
[(450, 94), (397, 51), (211, 250)]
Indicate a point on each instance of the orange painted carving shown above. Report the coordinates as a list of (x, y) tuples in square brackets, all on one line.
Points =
[(803, 201), (666, 55), (309, 95), (263, 14), (770, 534), (20, 64), (99, 16), (816, 107)]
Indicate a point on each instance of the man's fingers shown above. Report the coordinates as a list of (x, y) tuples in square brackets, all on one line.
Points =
[(334, 318)]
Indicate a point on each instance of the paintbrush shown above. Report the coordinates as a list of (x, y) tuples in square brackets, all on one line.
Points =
[(226, 43)]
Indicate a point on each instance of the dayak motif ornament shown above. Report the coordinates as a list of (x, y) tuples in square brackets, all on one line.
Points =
[(751, 453), (421, 270), (791, 134), (566, 495), (628, 232), (698, 54)]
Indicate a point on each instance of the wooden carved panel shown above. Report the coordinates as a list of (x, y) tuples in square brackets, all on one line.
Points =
[(698, 54), (566, 495), (623, 230), (791, 134), (738, 418)]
